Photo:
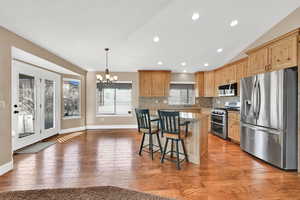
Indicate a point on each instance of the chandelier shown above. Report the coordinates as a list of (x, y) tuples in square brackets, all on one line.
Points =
[(107, 78)]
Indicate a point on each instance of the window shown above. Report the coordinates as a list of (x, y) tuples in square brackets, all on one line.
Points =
[(71, 93), (114, 99), (182, 94)]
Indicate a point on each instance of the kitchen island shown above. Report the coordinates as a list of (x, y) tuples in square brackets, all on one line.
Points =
[(196, 141)]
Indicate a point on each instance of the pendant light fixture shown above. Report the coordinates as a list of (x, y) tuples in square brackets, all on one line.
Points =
[(107, 79)]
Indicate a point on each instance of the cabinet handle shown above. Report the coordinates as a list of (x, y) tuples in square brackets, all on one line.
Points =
[(288, 58), (278, 60)]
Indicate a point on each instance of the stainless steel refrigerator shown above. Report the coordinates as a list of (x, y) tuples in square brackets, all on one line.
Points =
[(269, 117)]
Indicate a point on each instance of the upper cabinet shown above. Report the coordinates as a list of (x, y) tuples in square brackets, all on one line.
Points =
[(209, 83), (199, 79), (258, 61), (154, 83), (241, 69), (275, 55), (283, 53)]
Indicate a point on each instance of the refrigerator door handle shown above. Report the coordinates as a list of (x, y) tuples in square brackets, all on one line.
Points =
[(258, 128), (258, 101), (254, 99)]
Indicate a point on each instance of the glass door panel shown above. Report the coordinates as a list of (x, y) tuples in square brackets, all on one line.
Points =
[(49, 104), (27, 105)]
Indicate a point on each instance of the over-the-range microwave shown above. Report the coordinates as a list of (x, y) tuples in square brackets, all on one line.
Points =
[(228, 90)]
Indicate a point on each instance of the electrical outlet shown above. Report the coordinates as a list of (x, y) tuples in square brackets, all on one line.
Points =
[(2, 104), (156, 101)]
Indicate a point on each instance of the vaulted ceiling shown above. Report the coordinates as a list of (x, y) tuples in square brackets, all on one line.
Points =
[(79, 30)]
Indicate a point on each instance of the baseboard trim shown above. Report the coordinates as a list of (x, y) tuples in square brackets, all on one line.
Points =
[(71, 130), (6, 168), (95, 127)]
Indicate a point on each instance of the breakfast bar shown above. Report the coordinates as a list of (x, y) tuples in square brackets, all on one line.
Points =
[(197, 137)]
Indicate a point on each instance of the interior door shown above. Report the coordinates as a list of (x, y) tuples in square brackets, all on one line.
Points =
[(269, 99), (36, 104), (248, 100)]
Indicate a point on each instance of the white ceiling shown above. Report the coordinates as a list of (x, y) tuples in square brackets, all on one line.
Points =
[(80, 30)]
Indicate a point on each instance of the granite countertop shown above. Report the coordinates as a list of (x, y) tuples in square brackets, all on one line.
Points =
[(187, 116)]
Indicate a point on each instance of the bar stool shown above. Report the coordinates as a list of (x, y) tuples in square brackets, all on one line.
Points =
[(170, 126), (148, 127)]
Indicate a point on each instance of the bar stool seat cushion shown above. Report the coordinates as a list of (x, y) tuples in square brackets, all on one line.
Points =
[(175, 136), (154, 130)]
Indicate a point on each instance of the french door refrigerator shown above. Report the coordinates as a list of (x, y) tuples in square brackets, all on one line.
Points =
[(269, 109)]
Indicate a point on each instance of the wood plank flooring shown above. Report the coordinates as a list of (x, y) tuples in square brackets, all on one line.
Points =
[(110, 158)]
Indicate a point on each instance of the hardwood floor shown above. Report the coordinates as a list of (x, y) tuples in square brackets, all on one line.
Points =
[(110, 158)]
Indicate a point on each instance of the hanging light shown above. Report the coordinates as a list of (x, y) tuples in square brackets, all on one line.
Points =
[(107, 78)]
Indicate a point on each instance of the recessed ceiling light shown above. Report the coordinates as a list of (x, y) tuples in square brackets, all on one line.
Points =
[(234, 23), (159, 63), (183, 63), (195, 16), (206, 64), (184, 71), (155, 39), (220, 50)]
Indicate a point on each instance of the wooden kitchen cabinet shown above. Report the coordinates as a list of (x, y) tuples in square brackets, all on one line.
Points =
[(277, 54), (199, 79), (258, 61), (145, 83), (234, 126), (229, 73), (154, 83), (209, 84), (241, 72), (283, 54)]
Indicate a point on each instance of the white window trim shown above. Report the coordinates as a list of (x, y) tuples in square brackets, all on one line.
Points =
[(99, 115), (72, 117)]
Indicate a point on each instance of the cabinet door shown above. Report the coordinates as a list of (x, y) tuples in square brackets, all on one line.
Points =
[(258, 61), (199, 77), (167, 78), (158, 84), (241, 72), (145, 83), (209, 84), (230, 74), (283, 54)]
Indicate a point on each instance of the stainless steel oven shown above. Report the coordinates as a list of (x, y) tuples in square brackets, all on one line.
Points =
[(219, 122)]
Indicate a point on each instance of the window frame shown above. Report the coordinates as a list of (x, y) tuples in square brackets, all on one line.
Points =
[(183, 83), (115, 103), (71, 117)]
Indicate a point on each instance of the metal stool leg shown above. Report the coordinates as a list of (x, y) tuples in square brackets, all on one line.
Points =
[(151, 145), (142, 144), (172, 148), (165, 149), (159, 144), (178, 159)]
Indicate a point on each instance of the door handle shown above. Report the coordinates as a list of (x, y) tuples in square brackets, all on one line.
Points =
[(258, 101)]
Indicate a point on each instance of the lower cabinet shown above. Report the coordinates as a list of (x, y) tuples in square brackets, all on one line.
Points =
[(234, 126)]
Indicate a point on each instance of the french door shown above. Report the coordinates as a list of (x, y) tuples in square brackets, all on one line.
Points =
[(36, 104)]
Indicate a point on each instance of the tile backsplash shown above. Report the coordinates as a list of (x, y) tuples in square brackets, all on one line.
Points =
[(219, 102), (155, 103)]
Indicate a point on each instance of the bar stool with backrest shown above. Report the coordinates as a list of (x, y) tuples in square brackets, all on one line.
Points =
[(149, 127), (170, 126)]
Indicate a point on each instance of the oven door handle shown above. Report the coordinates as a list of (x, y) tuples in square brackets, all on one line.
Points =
[(217, 123)]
